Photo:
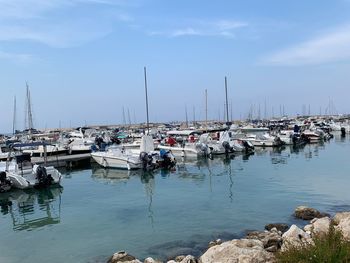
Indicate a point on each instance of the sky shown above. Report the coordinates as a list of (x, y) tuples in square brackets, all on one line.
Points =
[(84, 59)]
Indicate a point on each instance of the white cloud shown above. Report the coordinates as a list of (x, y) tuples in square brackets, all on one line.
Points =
[(221, 28), (14, 57), (330, 47), (61, 35), (186, 32), (226, 25), (56, 23)]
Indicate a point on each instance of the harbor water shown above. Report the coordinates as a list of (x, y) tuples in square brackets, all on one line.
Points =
[(164, 214)]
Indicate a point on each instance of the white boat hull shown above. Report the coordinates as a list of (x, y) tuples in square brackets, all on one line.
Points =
[(28, 178), (120, 162), (181, 151)]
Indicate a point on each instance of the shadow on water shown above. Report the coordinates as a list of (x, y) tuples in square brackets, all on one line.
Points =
[(32, 209)]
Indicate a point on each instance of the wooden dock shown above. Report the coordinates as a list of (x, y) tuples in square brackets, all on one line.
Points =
[(63, 160)]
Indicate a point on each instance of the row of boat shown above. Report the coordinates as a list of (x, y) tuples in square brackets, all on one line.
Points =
[(125, 149)]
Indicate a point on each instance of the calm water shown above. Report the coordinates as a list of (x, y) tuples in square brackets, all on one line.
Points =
[(98, 212)]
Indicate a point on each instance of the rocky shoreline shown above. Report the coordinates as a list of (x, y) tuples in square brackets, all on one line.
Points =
[(260, 246)]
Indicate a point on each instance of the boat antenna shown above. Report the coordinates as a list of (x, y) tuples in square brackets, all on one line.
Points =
[(145, 73)]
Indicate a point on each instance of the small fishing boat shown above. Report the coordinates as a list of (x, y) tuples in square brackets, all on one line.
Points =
[(265, 140), (143, 158), (24, 174)]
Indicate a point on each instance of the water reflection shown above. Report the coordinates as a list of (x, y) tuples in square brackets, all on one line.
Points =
[(32, 209), (111, 175)]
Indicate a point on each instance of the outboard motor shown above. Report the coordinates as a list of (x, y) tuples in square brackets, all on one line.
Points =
[(227, 147), (279, 141), (44, 179), (249, 147), (342, 130), (203, 148), (167, 159), (5, 184), (147, 161)]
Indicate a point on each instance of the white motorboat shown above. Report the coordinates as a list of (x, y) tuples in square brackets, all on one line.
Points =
[(232, 144), (314, 136), (50, 150), (286, 136), (214, 146), (190, 150), (265, 140), (124, 158), (23, 174), (117, 157), (76, 142)]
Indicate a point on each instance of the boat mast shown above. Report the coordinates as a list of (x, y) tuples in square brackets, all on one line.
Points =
[(124, 119), (194, 116), (28, 121), (129, 119), (14, 117), (227, 118), (144, 69), (186, 116), (206, 109)]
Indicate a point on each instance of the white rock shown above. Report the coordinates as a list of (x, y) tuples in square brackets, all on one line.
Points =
[(295, 237), (318, 226), (341, 216), (151, 260), (342, 222), (238, 251), (124, 257)]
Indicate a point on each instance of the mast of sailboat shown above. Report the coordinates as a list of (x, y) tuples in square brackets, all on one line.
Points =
[(145, 73), (14, 117), (194, 116), (28, 113), (206, 109), (186, 116), (129, 119), (124, 119), (227, 118)]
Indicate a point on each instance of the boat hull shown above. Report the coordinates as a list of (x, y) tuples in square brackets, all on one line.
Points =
[(109, 161)]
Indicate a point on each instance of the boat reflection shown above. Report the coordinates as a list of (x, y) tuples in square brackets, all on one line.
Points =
[(111, 176), (32, 209)]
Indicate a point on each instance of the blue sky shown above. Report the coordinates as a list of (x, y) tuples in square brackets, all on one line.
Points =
[(84, 59)]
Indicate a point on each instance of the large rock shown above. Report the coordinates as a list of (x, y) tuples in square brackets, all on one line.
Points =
[(342, 223), (279, 226), (238, 251), (272, 240), (308, 213), (340, 217), (151, 260), (318, 226), (295, 237), (124, 257)]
